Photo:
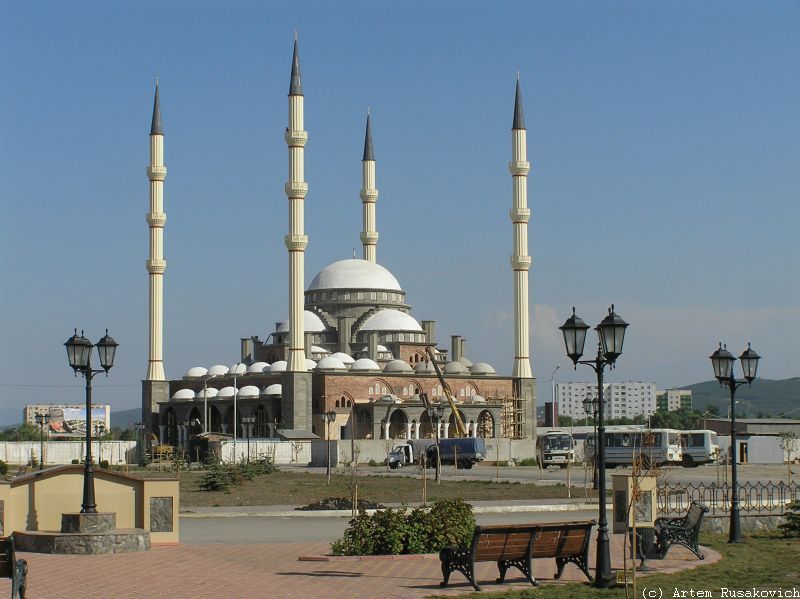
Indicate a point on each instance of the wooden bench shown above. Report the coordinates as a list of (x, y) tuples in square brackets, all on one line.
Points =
[(13, 568), (514, 546), (681, 531)]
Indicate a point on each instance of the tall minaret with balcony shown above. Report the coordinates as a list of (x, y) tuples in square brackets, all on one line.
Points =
[(369, 196), (156, 264), (520, 260), (296, 240)]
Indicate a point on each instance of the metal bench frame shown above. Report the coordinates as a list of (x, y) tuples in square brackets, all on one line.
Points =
[(13, 568), (681, 531), (463, 559)]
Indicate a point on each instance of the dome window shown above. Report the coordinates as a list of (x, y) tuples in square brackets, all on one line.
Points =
[(360, 295), (347, 296)]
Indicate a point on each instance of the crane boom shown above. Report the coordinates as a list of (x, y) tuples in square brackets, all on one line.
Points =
[(448, 393)]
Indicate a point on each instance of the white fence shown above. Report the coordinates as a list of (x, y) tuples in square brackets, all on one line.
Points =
[(64, 452), (281, 452)]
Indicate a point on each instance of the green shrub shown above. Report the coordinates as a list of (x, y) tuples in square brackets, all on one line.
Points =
[(256, 467), (3, 468), (220, 477), (104, 464), (791, 528), (76, 461), (527, 462), (421, 530)]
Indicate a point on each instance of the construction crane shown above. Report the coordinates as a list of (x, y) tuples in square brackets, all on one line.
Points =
[(448, 393)]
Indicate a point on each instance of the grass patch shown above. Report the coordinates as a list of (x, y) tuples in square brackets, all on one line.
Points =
[(301, 488), (764, 561)]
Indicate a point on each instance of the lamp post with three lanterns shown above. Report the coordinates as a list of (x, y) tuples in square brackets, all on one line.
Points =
[(611, 333)]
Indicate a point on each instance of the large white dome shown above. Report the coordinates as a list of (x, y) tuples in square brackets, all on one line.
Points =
[(311, 323), (391, 320), (354, 274)]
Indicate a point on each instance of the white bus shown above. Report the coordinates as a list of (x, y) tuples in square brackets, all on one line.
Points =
[(656, 446), (699, 447), (555, 448)]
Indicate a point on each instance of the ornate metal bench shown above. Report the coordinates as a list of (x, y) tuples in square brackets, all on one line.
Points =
[(13, 568), (514, 546), (681, 531)]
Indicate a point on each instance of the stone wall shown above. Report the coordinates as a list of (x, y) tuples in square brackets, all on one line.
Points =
[(63, 452)]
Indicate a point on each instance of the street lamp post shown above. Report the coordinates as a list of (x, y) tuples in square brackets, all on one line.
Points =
[(611, 333), (42, 419), (722, 361), (590, 407), (329, 417), (79, 353), (435, 412), (247, 423), (139, 441)]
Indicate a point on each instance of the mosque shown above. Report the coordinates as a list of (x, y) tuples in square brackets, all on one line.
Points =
[(350, 345)]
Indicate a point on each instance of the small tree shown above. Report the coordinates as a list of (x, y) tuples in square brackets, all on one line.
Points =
[(788, 442)]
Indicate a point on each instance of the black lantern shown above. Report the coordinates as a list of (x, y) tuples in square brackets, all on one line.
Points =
[(79, 350), (107, 347), (722, 360), (330, 416), (589, 405), (611, 331), (749, 360), (574, 330)]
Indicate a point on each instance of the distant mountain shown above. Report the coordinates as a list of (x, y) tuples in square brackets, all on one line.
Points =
[(125, 418), (766, 396)]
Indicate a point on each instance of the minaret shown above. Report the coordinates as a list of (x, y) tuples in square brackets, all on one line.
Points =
[(369, 195), (520, 260), (156, 265), (296, 241)]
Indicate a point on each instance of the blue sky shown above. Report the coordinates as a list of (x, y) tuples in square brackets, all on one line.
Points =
[(663, 137)]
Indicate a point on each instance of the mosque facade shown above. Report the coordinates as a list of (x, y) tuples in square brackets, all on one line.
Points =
[(350, 345)]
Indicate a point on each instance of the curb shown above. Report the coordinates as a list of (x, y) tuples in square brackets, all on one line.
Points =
[(367, 558)]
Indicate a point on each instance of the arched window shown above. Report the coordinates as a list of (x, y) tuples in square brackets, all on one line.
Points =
[(405, 390), (349, 404), (401, 337), (371, 391), (461, 392), (337, 403)]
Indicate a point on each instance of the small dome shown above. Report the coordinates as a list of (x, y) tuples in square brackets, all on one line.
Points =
[(225, 392), (310, 364), (218, 370), (391, 320), (311, 323), (237, 369), (279, 366), (209, 393), (274, 389), (478, 399), (455, 368), (195, 372), (482, 369), (386, 399), (257, 367), (380, 347), (345, 358), (316, 349), (424, 368), (330, 363), (397, 366), (354, 274), (466, 362), (249, 392), (183, 394), (364, 365)]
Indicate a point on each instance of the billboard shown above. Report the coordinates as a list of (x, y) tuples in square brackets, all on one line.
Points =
[(71, 421)]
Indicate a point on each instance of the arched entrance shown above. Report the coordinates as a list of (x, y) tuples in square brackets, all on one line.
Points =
[(261, 430), (171, 430), (486, 425), (361, 422), (453, 430), (398, 425), (214, 419), (425, 426)]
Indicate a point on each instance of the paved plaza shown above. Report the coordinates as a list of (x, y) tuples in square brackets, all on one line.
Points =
[(273, 570)]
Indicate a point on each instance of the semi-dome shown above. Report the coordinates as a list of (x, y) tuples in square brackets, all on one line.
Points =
[(391, 320), (354, 274), (206, 393), (482, 369), (274, 389), (330, 363), (218, 370), (397, 366), (237, 369), (311, 323), (455, 368), (183, 394), (279, 366), (249, 392), (258, 367), (424, 368), (345, 358), (466, 362), (364, 365), (195, 372), (226, 392), (477, 399), (310, 364)]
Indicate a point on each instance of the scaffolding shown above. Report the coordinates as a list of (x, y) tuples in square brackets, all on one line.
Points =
[(512, 417)]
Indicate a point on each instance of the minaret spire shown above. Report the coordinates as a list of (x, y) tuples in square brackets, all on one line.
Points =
[(369, 196), (156, 265), (520, 260), (296, 241)]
